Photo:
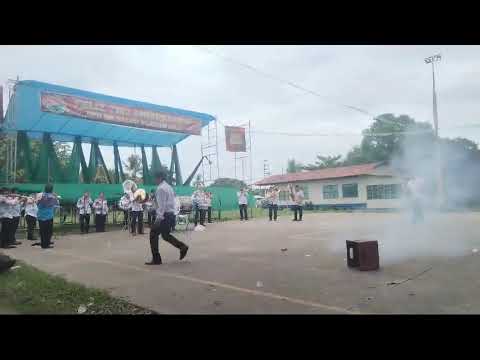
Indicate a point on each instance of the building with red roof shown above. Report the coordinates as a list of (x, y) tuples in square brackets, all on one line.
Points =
[(374, 186)]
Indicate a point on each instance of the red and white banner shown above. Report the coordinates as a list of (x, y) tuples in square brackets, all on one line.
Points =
[(118, 114), (235, 138)]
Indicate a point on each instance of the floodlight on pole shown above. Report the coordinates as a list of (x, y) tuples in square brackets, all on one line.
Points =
[(432, 60)]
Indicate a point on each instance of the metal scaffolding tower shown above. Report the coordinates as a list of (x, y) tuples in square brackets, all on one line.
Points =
[(209, 152)]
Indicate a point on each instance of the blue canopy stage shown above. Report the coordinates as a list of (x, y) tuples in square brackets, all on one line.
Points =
[(52, 113)]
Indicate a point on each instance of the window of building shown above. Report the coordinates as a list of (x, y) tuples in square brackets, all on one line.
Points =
[(350, 190), (330, 191), (389, 191), (306, 192)]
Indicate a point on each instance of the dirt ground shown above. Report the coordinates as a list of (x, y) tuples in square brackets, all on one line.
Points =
[(239, 267)]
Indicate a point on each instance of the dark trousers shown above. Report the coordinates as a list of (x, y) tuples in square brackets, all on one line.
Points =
[(243, 211), (31, 225), (163, 229), (85, 223), (152, 215), (272, 209), (13, 230), (209, 214), (137, 222), (125, 218), (199, 213), (46, 232), (298, 209), (5, 232), (100, 222)]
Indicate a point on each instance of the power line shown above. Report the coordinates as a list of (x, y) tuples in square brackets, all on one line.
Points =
[(287, 82)]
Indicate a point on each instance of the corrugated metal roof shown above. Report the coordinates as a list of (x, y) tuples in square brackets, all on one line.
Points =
[(330, 173)]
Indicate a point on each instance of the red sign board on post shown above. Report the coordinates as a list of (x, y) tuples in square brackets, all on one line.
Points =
[(118, 114), (235, 138)]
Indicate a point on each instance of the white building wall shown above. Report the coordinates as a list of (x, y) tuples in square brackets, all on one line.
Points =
[(315, 190)]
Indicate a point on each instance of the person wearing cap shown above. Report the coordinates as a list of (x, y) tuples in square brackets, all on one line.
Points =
[(84, 205), (165, 208), (243, 204)]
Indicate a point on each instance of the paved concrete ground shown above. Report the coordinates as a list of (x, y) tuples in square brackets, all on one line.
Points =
[(238, 267)]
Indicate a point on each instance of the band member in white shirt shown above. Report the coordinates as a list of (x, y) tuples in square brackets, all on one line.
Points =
[(137, 216), (84, 205), (198, 202), (125, 205), (31, 210), (16, 213), (298, 197), (208, 200), (6, 206), (243, 204), (150, 208), (178, 207), (272, 198), (101, 210), (165, 207)]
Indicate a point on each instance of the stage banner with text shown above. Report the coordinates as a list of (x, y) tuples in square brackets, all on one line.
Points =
[(235, 138), (88, 108)]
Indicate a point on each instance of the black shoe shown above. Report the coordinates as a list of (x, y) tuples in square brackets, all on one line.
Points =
[(17, 243), (10, 247), (48, 247), (154, 262), (36, 244), (183, 252)]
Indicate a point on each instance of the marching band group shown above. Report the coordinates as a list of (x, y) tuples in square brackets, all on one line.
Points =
[(161, 205)]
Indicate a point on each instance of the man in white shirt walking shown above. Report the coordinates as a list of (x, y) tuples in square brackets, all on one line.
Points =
[(84, 205), (243, 204), (165, 208)]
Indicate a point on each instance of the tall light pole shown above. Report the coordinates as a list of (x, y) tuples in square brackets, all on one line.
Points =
[(441, 198)]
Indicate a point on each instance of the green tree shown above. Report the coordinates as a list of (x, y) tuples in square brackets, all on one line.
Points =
[(229, 182), (134, 166), (293, 166), (323, 162)]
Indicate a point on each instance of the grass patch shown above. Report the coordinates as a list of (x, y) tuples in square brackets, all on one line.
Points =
[(27, 290)]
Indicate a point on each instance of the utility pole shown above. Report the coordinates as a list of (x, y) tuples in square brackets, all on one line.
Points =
[(441, 189)]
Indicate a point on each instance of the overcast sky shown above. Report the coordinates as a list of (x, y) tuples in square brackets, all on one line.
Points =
[(378, 79)]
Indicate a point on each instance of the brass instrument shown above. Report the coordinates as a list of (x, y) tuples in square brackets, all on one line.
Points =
[(140, 195)]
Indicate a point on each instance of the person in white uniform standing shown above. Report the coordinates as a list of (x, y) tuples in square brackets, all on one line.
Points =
[(101, 211), (84, 205), (31, 211), (243, 204)]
